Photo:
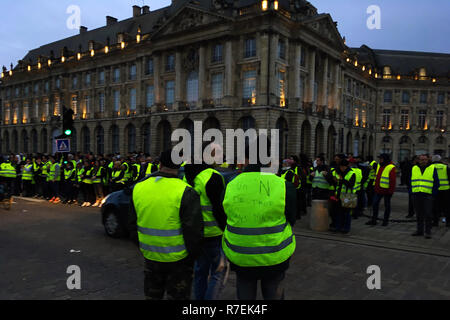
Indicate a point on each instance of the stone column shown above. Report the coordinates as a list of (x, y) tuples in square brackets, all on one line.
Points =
[(264, 76), (156, 84), (323, 99), (296, 90), (178, 80), (311, 76), (272, 69), (229, 73), (201, 76), (336, 104)]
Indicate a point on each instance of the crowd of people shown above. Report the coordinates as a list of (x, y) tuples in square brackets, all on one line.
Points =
[(190, 226), (83, 179)]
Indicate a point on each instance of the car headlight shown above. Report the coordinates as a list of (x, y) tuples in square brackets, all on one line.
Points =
[(105, 199)]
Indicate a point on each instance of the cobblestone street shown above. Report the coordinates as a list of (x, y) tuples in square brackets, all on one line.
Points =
[(36, 239)]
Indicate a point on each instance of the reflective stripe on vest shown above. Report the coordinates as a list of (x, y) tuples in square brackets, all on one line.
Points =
[(443, 177), (384, 179), (8, 170), (347, 177), (373, 172), (158, 218), (148, 171), (97, 178), (27, 173), (358, 179), (138, 171), (200, 182), (52, 173), (257, 233), (320, 182), (116, 174), (68, 174), (422, 182), (85, 179)]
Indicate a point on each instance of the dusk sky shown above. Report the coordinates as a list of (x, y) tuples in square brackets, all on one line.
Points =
[(405, 24)]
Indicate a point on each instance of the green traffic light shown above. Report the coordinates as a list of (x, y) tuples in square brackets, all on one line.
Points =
[(68, 132)]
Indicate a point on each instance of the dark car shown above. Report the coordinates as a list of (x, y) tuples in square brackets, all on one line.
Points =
[(116, 206)]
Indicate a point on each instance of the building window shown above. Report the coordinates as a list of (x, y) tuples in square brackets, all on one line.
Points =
[(440, 119), (356, 117), (303, 56), (101, 102), (87, 109), (131, 139), (74, 82), (357, 90), (281, 79), (281, 49), (192, 88), (249, 86), (36, 110), (88, 79), (74, 105), (27, 91), (170, 93), (133, 72), (133, 99), (7, 115), (217, 53), (404, 120), (422, 73), (423, 120), (386, 120), (25, 115), (46, 109), (405, 97), (217, 86), (116, 101), (150, 96), (441, 98), (302, 87), (149, 66), (423, 97), (101, 77), (116, 75), (57, 109), (387, 73), (46, 88), (170, 63), (250, 48), (387, 96), (57, 84), (18, 90), (349, 85)]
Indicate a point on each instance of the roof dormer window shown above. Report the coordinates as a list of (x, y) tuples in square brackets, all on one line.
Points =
[(387, 72)]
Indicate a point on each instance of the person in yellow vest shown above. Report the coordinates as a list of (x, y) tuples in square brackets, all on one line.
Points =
[(79, 170), (384, 188), (292, 175), (424, 187), (8, 173), (442, 201), (168, 225), (373, 168), (117, 177), (86, 185), (27, 177), (97, 182), (69, 174), (210, 185), (54, 177), (322, 180), (150, 167), (344, 180), (258, 239)]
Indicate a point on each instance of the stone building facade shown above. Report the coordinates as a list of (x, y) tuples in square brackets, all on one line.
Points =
[(229, 64)]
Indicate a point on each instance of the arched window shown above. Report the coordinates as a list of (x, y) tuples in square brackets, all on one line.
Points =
[(100, 140), (86, 138), (282, 126), (131, 137), (34, 141), (115, 139), (248, 123), (192, 88), (44, 140), (146, 138)]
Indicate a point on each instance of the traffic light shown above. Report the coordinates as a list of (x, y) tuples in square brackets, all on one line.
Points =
[(67, 122)]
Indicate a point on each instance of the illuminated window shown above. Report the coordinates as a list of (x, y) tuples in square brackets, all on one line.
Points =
[(387, 73), (281, 77), (249, 86), (56, 109), (440, 119), (404, 120), (386, 120), (422, 73), (74, 104), (423, 120), (356, 118)]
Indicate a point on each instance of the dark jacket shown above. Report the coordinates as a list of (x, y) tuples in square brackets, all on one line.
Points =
[(190, 216)]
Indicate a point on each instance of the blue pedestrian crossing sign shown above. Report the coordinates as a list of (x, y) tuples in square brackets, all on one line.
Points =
[(63, 145)]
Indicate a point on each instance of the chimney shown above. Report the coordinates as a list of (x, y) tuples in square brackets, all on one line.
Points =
[(145, 9), (136, 11), (110, 20), (83, 29)]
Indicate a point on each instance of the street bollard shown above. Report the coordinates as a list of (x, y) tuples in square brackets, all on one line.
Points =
[(319, 219)]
